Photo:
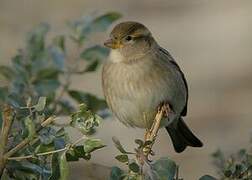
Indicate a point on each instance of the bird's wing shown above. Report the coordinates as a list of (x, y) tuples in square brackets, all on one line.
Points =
[(170, 58)]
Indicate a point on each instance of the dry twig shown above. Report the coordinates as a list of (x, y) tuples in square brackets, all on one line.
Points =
[(7, 122)]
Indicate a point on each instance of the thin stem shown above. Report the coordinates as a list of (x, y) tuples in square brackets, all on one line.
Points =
[(36, 155), (7, 122), (152, 133), (66, 148), (26, 141), (177, 173)]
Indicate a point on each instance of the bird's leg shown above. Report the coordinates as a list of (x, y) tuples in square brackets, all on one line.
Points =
[(167, 109)]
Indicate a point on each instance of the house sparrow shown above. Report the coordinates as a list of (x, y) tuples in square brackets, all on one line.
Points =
[(138, 76)]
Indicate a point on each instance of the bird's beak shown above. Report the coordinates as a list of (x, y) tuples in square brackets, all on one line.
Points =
[(114, 44)]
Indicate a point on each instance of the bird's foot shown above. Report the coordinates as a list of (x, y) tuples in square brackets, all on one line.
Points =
[(165, 107)]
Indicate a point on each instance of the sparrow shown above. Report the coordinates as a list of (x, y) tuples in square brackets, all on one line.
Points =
[(138, 76)]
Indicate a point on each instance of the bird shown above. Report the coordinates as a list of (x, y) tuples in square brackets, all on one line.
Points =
[(139, 75)]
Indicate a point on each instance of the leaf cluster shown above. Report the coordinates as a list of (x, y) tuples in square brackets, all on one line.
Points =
[(161, 169), (45, 67), (38, 89)]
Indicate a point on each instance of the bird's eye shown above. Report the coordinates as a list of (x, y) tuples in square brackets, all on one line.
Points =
[(128, 38)]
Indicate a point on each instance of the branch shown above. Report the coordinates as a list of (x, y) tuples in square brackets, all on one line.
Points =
[(26, 141), (142, 154), (66, 148), (152, 133), (7, 122)]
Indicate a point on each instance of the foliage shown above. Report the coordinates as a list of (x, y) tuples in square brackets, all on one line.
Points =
[(38, 92), (45, 68), (231, 167), (161, 169)]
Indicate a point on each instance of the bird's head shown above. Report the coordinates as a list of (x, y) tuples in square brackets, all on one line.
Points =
[(131, 39)]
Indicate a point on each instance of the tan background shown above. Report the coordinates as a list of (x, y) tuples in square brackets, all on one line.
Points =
[(210, 39)]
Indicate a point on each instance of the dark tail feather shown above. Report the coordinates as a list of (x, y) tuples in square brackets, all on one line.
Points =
[(182, 136)]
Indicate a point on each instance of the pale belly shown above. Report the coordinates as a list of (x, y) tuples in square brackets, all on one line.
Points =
[(134, 94)]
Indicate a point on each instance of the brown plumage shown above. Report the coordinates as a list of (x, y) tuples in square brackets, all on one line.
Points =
[(138, 76)]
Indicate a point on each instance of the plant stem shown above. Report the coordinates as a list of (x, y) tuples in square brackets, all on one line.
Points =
[(7, 122), (26, 141), (67, 147), (35, 155), (152, 133)]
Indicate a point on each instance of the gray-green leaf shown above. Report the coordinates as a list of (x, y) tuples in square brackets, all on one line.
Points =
[(122, 158), (164, 169), (119, 146), (134, 167), (41, 104), (102, 22), (116, 173), (64, 167), (6, 72), (94, 53), (94, 103), (30, 126), (91, 145)]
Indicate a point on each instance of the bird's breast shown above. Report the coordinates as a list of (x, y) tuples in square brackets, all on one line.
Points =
[(134, 90)]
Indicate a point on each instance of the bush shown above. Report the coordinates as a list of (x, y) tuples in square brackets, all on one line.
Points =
[(38, 92)]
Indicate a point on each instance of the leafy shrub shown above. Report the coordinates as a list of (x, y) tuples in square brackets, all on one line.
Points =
[(38, 92)]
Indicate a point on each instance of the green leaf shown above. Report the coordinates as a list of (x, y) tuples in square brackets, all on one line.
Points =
[(47, 87), (55, 168), (77, 152), (219, 155), (47, 135), (139, 142), (84, 120), (95, 53), (71, 156), (91, 67), (91, 145), (84, 27), (116, 173), (164, 169), (58, 57), (103, 22), (59, 143), (59, 41), (66, 108), (80, 153), (64, 167), (49, 73), (6, 72), (36, 40), (41, 104), (122, 158), (90, 100), (249, 159), (207, 177), (26, 166), (134, 167), (30, 126), (119, 146), (15, 100), (44, 148)]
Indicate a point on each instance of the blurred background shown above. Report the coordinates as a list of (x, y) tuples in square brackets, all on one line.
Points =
[(210, 39)]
